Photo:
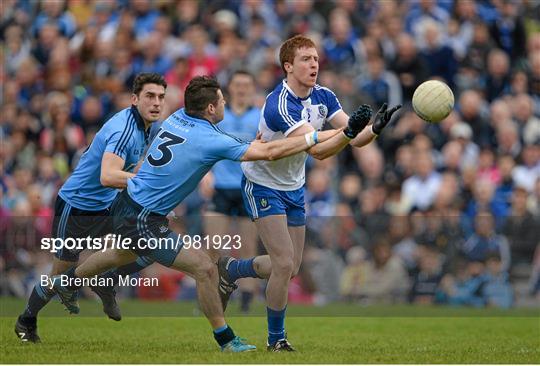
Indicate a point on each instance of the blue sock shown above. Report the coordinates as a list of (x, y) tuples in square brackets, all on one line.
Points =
[(276, 325), (241, 268), (41, 295), (223, 335)]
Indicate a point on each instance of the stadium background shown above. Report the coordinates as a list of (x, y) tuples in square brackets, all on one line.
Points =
[(445, 213)]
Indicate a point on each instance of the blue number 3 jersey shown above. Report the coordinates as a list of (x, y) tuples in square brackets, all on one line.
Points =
[(123, 135), (183, 151)]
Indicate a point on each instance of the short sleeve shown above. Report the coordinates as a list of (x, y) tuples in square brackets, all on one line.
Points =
[(332, 103), (119, 140), (281, 115), (225, 146)]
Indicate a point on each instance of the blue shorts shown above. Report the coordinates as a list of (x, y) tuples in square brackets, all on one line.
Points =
[(71, 222), (131, 220), (261, 201)]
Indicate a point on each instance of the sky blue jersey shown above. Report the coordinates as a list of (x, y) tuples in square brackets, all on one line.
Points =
[(228, 174), (184, 150), (123, 135)]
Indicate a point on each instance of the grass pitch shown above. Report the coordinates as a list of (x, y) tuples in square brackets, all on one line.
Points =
[(363, 335)]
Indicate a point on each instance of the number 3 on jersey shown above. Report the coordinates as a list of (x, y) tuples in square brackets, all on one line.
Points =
[(164, 147)]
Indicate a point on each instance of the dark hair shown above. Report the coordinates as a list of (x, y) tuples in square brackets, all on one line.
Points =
[(200, 92), (147, 78), (241, 72), (289, 47)]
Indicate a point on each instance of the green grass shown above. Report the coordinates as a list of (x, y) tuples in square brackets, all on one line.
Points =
[(440, 335)]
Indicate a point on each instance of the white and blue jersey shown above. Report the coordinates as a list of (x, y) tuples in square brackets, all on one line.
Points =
[(283, 113), (228, 174), (184, 150), (277, 187), (124, 135)]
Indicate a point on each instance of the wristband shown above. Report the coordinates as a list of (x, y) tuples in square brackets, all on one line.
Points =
[(373, 131), (316, 137), (310, 140)]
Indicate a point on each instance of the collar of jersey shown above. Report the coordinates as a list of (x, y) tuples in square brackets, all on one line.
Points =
[(286, 86), (138, 118)]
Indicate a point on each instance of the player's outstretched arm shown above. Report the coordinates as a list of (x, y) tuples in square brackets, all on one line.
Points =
[(112, 174), (356, 123), (273, 150), (381, 120)]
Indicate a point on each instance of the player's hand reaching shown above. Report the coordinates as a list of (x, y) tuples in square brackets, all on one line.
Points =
[(358, 121), (383, 118)]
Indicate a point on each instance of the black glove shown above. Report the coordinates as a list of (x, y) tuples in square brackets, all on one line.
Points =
[(358, 121), (383, 117)]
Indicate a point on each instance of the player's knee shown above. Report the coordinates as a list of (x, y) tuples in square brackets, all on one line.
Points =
[(206, 270), (284, 267)]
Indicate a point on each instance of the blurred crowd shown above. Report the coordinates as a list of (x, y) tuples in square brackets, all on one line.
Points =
[(429, 213)]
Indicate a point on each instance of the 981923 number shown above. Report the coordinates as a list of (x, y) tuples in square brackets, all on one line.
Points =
[(212, 241)]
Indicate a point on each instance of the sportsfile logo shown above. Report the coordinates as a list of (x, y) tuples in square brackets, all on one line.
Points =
[(110, 241), (113, 241)]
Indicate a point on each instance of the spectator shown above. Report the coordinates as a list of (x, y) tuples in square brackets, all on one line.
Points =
[(508, 139), (452, 157), (422, 11), (461, 27), (486, 167), (410, 69), (420, 189), (498, 75), (504, 190), (386, 279), (354, 275), (439, 56), (201, 60), (521, 228), (370, 162), (473, 66), (528, 172), (426, 280), (53, 12), (485, 241), (471, 107), (319, 200), (302, 18), (497, 290), (483, 199), (403, 244), (380, 84), (340, 46), (466, 288), (508, 31), (152, 57), (529, 124), (17, 48), (145, 18)]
